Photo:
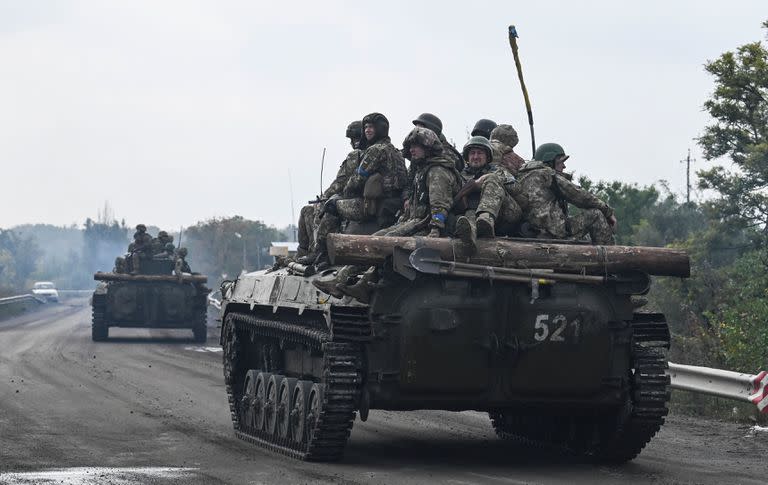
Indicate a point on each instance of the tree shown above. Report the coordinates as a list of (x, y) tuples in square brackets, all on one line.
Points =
[(215, 249), (739, 107)]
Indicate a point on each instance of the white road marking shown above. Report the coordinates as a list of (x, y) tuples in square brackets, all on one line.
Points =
[(94, 475), (203, 349)]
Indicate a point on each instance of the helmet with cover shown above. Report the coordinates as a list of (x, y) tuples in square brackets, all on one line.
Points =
[(424, 137)]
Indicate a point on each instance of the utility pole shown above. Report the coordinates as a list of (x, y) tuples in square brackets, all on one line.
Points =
[(687, 162)]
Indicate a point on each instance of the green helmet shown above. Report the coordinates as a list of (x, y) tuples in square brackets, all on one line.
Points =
[(162, 234), (141, 228), (169, 247), (479, 142), (182, 252), (547, 152)]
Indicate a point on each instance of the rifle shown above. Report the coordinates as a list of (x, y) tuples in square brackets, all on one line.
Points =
[(459, 200)]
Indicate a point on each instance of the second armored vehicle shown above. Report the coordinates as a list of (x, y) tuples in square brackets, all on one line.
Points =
[(155, 298)]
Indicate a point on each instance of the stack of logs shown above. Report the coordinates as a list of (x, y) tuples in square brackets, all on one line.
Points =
[(511, 253)]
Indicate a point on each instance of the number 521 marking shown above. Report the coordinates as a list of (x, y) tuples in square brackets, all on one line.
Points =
[(560, 324)]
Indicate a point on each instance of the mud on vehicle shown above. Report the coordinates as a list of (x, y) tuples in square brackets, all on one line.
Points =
[(557, 357), (153, 299)]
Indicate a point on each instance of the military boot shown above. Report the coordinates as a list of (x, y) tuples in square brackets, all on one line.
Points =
[(466, 231), (331, 286), (361, 291), (485, 224)]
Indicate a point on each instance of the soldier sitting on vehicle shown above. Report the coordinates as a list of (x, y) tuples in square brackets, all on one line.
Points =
[(432, 122), (478, 154), (372, 193), (142, 248), (548, 192), (181, 266), (435, 182), (309, 215)]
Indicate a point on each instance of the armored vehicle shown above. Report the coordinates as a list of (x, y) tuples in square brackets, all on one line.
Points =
[(155, 298), (557, 355)]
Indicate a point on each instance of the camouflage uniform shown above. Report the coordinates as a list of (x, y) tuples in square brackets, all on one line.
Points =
[(499, 205), (374, 190), (436, 181), (308, 217), (548, 194), (180, 266), (142, 247)]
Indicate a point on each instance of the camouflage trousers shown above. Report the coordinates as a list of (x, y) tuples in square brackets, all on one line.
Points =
[(348, 209), (307, 228), (495, 200), (594, 223), (588, 221)]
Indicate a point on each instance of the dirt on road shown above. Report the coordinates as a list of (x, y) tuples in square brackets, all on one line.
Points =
[(150, 407)]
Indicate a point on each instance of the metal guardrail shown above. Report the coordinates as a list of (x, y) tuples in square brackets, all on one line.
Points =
[(722, 383), (214, 302), (19, 298)]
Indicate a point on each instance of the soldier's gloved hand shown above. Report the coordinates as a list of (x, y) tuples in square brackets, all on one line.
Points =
[(612, 220), (329, 207), (434, 232)]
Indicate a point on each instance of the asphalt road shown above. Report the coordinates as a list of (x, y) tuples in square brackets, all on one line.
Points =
[(150, 407)]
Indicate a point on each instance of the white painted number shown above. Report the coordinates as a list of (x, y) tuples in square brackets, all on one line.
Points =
[(560, 323), (541, 324)]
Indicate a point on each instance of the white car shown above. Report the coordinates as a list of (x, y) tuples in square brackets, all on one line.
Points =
[(45, 289)]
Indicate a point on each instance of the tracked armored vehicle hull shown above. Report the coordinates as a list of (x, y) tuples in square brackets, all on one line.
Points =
[(565, 364), (158, 300)]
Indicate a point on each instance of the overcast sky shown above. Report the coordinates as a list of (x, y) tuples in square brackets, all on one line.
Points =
[(179, 111)]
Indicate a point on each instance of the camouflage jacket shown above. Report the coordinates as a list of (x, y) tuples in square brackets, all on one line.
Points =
[(548, 193), (381, 157), (346, 170), (142, 243), (473, 198), (450, 152), (500, 149), (435, 182)]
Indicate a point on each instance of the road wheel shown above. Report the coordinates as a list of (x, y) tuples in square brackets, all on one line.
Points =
[(298, 417), (270, 405), (248, 399), (283, 410)]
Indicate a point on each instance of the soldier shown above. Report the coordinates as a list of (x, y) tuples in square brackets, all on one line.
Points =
[(548, 193), (309, 213), (167, 252), (373, 191), (180, 266), (142, 247), (160, 242), (477, 154), (428, 120), (503, 140), (436, 181)]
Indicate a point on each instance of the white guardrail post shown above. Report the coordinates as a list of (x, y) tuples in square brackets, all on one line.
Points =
[(722, 383), (14, 299)]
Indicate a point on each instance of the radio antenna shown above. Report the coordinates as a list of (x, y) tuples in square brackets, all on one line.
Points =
[(322, 165)]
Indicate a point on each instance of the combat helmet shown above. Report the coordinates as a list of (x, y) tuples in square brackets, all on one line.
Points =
[(425, 137), (484, 128), (430, 121), (141, 228), (505, 134), (162, 234), (182, 252), (355, 130), (478, 142), (547, 152), (380, 124)]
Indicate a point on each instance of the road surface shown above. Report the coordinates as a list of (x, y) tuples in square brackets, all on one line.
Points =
[(150, 407)]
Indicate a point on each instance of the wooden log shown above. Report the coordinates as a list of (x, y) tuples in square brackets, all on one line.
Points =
[(150, 278), (503, 252)]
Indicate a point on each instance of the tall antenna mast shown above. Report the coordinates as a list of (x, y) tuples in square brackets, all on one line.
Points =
[(293, 214), (688, 161), (322, 164)]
